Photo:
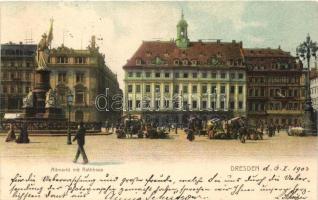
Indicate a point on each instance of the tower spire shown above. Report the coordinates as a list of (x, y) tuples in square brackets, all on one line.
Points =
[(182, 40), (182, 15)]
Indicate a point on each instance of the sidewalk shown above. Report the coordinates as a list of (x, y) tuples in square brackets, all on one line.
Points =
[(38, 133)]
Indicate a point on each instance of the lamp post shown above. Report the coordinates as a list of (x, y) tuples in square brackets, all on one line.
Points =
[(215, 98), (69, 104), (157, 99), (305, 51)]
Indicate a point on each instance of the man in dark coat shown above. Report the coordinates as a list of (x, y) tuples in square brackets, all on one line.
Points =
[(23, 136), (80, 137)]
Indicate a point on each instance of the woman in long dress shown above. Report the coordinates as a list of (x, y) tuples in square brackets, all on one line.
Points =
[(11, 135)]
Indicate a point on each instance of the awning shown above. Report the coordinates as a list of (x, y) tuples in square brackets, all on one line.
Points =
[(12, 115)]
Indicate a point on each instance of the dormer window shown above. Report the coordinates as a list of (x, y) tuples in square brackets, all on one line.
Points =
[(62, 59), (166, 55), (80, 60), (194, 62), (148, 54), (158, 61), (176, 62), (185, 62), (138, 61)]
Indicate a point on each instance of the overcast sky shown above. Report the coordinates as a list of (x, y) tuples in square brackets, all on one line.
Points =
[(123, 25)]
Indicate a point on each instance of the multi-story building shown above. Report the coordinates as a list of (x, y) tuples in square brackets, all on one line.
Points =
[(314, 88), (84, 74), (17, 67), (170, 80), (276, 86)]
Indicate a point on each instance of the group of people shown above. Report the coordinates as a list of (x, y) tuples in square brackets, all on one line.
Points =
[(271, 129), (23, 136)]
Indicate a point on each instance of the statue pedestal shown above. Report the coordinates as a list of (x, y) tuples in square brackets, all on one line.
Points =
[(42, 79), (54, 113), (28, 112), (42, 85)]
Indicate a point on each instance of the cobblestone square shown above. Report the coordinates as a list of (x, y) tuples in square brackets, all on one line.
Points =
[(109, 149)]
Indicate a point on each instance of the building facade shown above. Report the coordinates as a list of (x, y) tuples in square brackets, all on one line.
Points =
[(84, 74), (17, 72), (314, 88), (275, 87), (167, 81)]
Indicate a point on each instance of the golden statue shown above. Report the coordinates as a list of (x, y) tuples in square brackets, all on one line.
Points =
[(43, 48)]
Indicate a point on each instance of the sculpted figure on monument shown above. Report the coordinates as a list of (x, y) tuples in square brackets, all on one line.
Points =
[(51, 100), (28, 100), (43, 48)]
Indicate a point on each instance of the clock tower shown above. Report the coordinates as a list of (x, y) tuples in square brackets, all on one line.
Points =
[(182, 40)]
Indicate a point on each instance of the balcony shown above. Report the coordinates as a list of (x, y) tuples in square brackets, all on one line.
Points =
[(285, 112), (256, 112)]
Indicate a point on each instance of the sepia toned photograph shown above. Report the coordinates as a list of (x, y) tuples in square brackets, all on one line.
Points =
[(151, 100)]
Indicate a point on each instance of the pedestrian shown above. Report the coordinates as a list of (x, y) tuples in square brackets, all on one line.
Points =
[(80, 137), (106, 126), (278, 128), (262, 128), (176, 129), (269, 130), (24, 136), (11, 135)]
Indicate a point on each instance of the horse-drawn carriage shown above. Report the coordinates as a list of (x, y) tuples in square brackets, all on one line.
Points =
[(195, 127), (215, 129), (129, 125), (154, 132), (232, 129), (133, 125)]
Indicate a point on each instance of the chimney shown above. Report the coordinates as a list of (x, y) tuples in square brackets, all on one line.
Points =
[(218, 41), (233, 41)]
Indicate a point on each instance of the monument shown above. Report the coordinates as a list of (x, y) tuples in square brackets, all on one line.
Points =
[(42, 101)]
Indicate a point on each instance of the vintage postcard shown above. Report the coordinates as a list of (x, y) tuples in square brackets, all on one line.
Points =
[(149, 100)]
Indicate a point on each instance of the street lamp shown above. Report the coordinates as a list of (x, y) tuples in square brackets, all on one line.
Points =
[(223, 96), (305, 51), (158, 99), (69, 104), (215, 98)]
